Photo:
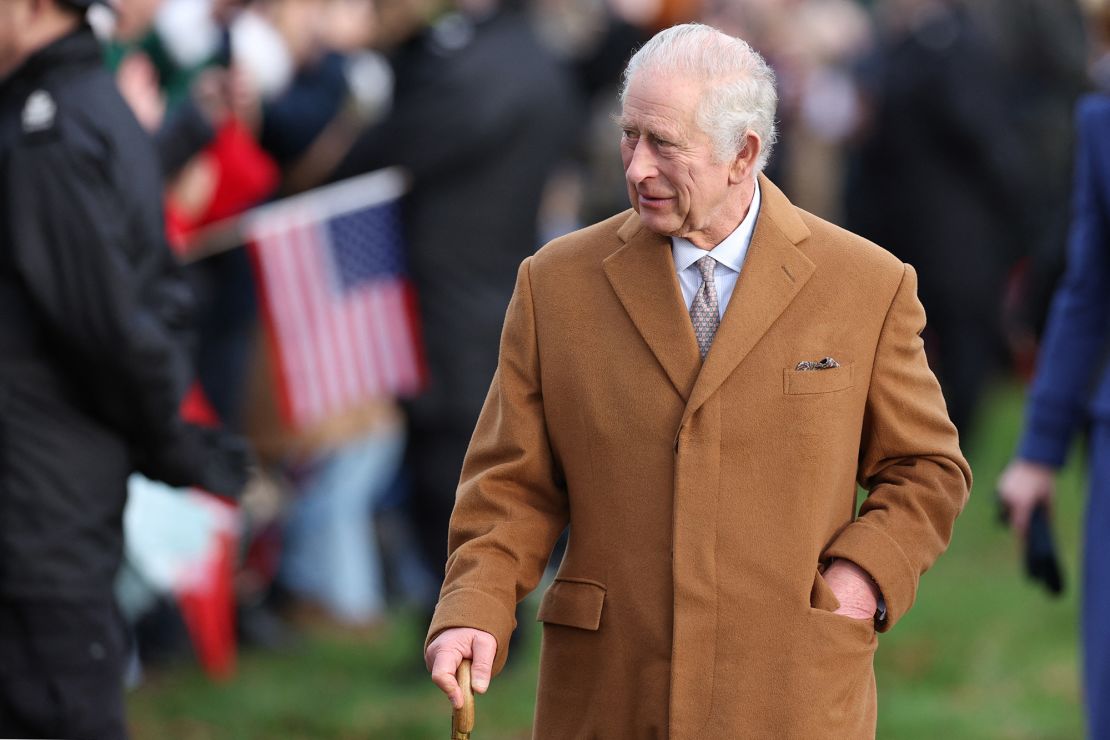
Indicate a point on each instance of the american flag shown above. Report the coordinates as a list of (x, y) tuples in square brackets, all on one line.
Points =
[(339, 308)]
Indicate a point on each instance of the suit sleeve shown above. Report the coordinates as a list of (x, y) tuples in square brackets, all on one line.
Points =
[(1075, 339), (910, 463), (510, 507)]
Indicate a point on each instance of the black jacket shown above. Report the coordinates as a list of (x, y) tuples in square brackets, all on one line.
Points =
[(93, 346), (481, 117)]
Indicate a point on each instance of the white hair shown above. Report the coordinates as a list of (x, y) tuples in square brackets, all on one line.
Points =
[(739, 97)]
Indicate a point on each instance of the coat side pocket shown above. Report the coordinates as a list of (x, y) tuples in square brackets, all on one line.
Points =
[(821, 596), (572, 603)]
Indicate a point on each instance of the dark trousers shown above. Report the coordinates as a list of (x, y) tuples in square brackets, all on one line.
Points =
[(1096, 587), (61, 671), (434, 456)]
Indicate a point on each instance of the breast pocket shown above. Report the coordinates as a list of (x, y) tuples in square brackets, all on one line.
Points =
[(828, 380)]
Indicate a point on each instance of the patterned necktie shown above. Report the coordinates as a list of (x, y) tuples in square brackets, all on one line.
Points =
[(703, 311)]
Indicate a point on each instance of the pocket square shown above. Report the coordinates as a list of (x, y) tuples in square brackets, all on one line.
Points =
[(825, 363)]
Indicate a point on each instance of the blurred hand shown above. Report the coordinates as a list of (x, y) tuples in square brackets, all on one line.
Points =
[(192, 455), (245, 99), (448, 650), (1021, 487), (854, 589), (226, 463)]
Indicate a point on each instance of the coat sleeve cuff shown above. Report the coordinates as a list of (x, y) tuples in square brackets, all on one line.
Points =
[(468, 607), (1044, 449), (873, 550), (1049, 429)]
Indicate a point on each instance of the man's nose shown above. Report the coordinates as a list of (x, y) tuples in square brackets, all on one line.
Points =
[(641, 165)]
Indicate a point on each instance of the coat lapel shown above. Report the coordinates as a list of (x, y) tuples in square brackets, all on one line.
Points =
[(643, 277), (774, 272)]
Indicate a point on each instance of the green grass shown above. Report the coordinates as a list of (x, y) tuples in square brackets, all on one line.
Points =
[(982, 655), (327, 688)]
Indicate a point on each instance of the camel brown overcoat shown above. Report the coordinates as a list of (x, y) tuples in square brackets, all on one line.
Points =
[(703, 498)]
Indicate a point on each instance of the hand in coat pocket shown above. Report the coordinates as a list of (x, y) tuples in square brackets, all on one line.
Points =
[(857, 593)]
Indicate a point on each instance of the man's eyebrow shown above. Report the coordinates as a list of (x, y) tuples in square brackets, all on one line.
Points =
[(627, 123), (621, 120)]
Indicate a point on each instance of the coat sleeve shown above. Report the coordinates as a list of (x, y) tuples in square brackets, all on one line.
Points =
[(1075, 339), (910, 463), (511, 505)]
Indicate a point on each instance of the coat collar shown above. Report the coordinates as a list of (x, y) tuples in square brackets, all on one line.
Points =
[(643, 277)]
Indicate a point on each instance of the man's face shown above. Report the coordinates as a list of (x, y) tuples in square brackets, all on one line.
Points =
[(399, 20), (302, 25), (15, 17), (349, 25), (674, 180)]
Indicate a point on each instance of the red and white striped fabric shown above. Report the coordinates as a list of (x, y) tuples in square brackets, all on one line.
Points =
[(337, 301)]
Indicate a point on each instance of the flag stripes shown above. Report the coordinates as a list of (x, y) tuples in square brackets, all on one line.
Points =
[(338, 306)]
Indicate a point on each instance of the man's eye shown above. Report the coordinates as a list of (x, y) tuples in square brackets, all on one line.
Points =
[(663, 143), (630, 134)]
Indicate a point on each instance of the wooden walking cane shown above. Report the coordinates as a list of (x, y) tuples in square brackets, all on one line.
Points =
[(462, 719)]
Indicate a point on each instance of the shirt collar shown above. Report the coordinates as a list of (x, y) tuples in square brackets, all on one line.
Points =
[(730, 252)]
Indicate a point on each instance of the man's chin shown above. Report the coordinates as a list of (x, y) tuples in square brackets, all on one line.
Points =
[(657, 222)]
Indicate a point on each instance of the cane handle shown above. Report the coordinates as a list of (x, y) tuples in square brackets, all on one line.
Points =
[(462, 720)]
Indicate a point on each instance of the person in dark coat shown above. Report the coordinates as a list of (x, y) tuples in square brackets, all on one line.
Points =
[(1043, 44), (482, 114), (93, 364), (941, 180), (1071, 364)]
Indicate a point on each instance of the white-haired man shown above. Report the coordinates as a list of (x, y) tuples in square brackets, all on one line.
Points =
[(695, 387)]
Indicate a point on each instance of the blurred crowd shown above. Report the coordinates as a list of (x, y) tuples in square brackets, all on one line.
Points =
[(940, 129)]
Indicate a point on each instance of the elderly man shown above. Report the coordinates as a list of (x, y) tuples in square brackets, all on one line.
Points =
[(696, 387)]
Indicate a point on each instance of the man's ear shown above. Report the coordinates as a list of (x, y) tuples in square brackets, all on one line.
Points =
[(743, 164)]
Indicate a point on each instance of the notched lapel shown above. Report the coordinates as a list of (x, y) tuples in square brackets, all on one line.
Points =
[(643, 277), (774, 272)]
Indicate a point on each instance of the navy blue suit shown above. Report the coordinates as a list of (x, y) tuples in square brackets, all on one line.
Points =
[(1071, 366)]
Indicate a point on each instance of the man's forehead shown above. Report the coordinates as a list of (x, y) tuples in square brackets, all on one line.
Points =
[(668, 94), (658, 115)]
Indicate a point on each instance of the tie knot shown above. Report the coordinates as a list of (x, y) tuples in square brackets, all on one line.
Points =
[(706, 265)]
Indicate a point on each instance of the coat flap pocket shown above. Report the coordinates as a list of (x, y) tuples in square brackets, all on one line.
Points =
[(573, 604), (818, 381)]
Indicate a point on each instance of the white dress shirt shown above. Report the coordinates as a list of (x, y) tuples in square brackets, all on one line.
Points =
[(729, 256)]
